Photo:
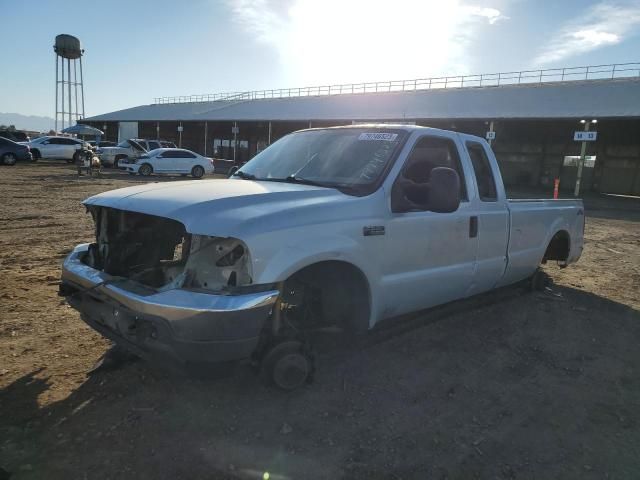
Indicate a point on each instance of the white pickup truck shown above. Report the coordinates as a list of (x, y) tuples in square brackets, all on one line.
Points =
[(327, 230)]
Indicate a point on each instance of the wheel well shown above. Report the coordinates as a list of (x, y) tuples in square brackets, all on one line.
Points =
[(558, 248), (35, 152), (328, 294), (120, 156)]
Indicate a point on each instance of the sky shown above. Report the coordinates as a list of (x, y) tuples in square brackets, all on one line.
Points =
[(137, 50)]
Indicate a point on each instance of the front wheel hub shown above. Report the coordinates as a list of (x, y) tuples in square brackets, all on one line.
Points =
[(287, 365)]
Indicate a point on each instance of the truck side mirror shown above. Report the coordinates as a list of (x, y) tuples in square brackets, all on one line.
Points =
[(444, 190), (441, 194)]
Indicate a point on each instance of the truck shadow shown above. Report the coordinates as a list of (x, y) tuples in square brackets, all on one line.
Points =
[(503, 385)]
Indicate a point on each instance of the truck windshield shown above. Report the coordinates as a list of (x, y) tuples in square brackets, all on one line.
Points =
[(350, 159)]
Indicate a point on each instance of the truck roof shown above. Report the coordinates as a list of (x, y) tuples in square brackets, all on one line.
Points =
[(395, 126)]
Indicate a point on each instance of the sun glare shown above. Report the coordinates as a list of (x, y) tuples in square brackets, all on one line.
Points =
[(336, 41)]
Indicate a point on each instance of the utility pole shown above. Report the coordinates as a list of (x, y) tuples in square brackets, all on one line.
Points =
[(583, 151)]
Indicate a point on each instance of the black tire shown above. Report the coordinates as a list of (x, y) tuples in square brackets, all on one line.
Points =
[(287, 366), (145, 170), (183, 174), (9, 159), (77, 158), (197, 171), (36, 154), (116, 162)]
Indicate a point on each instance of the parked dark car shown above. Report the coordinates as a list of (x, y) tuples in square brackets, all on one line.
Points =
[(11, 152), (15, 135)]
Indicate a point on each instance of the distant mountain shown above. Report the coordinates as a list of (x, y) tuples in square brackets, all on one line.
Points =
[(27, 122)]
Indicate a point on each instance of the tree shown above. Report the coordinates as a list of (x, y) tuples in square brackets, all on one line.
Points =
[(10, 128)]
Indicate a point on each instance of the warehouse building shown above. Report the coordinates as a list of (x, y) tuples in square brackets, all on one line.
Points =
[(532, 118)]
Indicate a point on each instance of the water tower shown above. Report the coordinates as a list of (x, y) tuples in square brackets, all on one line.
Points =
[(68, 48)]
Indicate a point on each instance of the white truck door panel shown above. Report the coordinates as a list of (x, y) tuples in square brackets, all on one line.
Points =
[(429, 257), (493, 220)]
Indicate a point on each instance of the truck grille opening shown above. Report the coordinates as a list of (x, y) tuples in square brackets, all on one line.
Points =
[(158, 252)]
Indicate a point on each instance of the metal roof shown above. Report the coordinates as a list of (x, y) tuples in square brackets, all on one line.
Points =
[(592, 98)]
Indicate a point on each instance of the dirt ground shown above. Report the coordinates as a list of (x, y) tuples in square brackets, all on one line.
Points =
[(514, 385)]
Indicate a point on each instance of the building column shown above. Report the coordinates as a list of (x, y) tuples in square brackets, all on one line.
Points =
[(206, 125)]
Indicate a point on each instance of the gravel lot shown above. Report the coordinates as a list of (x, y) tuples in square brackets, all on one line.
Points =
[(510, 385)]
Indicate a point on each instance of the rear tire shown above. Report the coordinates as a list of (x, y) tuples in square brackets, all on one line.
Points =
[(197, 172), (9, 159), (145, 170)]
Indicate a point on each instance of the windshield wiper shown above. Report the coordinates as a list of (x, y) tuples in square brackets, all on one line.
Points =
[(304, 181), (243, 175), (348, 189)]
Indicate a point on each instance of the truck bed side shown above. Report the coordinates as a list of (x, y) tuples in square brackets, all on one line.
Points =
[(533, 226)]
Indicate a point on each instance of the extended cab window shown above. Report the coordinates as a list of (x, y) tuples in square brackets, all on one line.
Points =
[(482, 169), (431, 152)]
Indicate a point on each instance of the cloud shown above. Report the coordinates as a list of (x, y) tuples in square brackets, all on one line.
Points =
[(603, 24), (491, 14), (333, 41)]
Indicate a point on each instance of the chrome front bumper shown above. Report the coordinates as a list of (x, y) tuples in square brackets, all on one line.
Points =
[(187, 326)]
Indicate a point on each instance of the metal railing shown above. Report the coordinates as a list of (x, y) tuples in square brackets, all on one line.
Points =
[(591, 72)]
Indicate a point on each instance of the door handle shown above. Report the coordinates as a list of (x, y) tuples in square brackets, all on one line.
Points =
[(473, 227)]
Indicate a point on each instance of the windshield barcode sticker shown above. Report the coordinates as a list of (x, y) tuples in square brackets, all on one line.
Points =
[(386, 137)]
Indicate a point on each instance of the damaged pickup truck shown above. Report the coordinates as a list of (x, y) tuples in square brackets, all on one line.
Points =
[(326, 232)]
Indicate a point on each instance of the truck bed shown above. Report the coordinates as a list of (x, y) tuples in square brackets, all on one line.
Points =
[(533, 223)]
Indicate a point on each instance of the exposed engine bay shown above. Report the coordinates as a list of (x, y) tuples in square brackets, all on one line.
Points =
[(159, 253)]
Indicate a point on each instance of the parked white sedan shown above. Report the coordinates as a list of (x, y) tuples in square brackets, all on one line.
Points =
[(170, 160), (55, 147)]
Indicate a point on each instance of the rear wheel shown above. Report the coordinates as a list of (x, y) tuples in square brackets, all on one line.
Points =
[(197, 172), (145, 170), (9, 159)]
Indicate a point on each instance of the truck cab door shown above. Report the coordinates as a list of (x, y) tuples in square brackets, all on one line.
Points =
[(429, 257), (492, 219)]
